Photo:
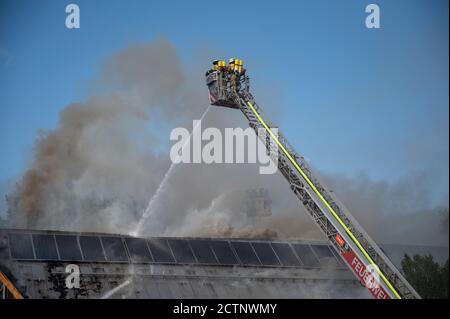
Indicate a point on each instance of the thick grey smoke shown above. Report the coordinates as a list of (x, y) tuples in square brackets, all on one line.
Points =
[(399, 213), (98, 170)]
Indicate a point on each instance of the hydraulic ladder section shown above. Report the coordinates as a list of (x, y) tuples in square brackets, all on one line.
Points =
[(357, 249), (359, 252)]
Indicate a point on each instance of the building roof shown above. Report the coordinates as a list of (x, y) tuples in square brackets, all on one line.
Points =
[(114, 265)]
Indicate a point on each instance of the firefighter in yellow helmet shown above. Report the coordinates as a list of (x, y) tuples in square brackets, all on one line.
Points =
[(235, 77), (222, 68), (239, 66), (222, 65)]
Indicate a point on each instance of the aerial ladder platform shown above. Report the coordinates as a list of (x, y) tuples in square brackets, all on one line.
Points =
[(229, 86)]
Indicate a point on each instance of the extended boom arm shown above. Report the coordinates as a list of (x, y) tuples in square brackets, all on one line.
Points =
[(361, 254)]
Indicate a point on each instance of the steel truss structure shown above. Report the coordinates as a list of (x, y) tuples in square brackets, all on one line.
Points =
[(359, 252)]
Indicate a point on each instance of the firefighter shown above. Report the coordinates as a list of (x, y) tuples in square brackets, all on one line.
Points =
[(222, 66), (240, 67), (216, 65), (231, 65), (238, 71)]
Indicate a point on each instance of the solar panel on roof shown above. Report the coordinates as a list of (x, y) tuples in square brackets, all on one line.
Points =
[(68, 247), (20, 246), (45, 247), (181, 251), (306, 255), (285, 254), (266, 254), (223, 252), (91, 248), (203, 252), (137, 247), (114, 249), (246, 253), (160, 250), (325, 254), (322, 251)]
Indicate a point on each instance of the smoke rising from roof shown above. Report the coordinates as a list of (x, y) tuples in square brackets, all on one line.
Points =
[(97, 170)]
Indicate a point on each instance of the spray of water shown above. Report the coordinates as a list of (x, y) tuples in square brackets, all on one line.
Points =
[(154, 199), (149, 210), (113, 291)]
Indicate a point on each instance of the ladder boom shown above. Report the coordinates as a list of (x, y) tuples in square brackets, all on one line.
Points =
[(359, 252)]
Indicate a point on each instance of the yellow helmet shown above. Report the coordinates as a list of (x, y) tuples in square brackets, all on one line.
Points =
[(222, 63)]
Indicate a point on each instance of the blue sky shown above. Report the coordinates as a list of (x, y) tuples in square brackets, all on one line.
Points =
[(354, 100)]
